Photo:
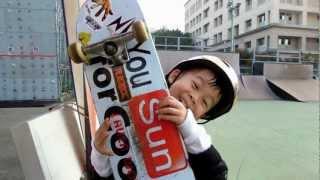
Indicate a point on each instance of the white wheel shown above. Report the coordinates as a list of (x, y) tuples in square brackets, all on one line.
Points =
[(140, 31), (76, 54)]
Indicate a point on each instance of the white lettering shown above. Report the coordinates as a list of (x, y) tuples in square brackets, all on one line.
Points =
[(165, 153), (151, 111), (153, 144)]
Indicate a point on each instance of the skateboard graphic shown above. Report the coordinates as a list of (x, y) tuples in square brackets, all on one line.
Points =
[(126, 82)]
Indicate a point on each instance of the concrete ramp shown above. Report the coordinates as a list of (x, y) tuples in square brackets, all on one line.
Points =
[(288, 71), (292, 81), (255, 88), (297, 90), (51, 146)]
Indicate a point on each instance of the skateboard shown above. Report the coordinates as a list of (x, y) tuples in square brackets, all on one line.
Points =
[(126, 82)]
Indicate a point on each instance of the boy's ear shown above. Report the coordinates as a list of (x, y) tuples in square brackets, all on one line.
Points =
[(173, 75)]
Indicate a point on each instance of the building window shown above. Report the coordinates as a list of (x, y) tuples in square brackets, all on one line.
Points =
[(206, 28), (285, 17), (220, 3), (261, 19), (294, 2), (215, 5), (215, 38), (261, 2), (248, 5), (205, 42), (199, 32), (284, 41), (206, 13), (299, 2), (260, 42), (236, 30), (215, 22), (197, 19), (229, 15), (282, 16), (220, 20), (220, 37), (229, 33), (236, 47), (198, 4), (237, 12), (248, 25), (247, 45)]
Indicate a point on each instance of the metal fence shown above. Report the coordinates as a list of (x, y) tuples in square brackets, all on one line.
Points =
[(248, 59), (247, 64)]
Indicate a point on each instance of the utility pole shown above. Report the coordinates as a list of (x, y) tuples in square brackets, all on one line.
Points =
[(318, 72), (232, 8)]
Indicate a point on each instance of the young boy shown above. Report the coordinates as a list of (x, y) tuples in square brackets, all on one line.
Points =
[(203, 87)]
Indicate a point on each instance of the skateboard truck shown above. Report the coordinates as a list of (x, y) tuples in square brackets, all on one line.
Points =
[(113, 48)]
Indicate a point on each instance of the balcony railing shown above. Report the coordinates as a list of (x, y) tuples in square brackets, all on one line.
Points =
[(287, 22)]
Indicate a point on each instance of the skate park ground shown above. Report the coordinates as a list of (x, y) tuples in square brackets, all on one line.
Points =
[(276, 140)]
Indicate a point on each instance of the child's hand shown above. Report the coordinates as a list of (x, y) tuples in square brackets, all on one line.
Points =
[(172, 110), (101, 138)]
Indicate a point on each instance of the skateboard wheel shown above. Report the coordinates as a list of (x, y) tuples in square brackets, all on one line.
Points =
[(76, 54), (140, 31)]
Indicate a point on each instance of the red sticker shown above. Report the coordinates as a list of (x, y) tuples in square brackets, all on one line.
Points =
[(159, 140)]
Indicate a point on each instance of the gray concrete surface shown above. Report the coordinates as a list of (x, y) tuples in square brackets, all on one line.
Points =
[(255, 88), (9, 163)]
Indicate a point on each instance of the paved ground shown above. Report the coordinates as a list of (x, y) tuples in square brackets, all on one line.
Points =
[(264, 140), (269, 140)]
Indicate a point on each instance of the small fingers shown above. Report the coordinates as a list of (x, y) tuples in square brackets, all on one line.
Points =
[(104, 126), (101, 138), (168, 101), (171, 118), (168, 111)]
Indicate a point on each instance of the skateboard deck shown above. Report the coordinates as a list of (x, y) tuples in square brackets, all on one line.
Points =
[(126, 82)]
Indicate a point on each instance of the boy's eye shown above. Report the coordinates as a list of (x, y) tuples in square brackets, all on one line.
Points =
[(195, 86), (205, 103)]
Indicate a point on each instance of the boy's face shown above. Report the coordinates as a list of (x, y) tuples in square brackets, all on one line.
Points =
[(194, 90)]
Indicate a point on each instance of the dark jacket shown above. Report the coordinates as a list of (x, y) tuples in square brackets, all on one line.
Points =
[(208, 165)]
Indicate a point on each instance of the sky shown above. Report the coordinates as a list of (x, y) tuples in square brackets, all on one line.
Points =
[(163, 13)]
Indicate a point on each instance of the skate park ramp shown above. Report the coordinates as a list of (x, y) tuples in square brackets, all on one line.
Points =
[(255, 88), (51, 145), (292, 81)]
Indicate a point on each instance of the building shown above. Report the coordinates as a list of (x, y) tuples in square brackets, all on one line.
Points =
[(32, 47), (258, 24)]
